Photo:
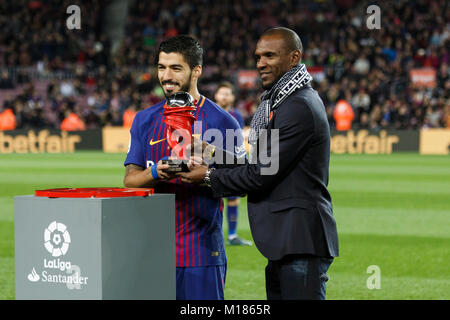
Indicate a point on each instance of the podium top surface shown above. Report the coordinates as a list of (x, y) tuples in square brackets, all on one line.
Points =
[(94, 192)]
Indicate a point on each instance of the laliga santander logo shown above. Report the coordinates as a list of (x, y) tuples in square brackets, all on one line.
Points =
[(57, 239)]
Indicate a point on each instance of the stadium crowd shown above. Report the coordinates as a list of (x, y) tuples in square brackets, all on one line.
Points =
[(48, 72)]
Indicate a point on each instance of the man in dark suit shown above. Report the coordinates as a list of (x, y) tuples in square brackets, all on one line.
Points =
[(289, 206)]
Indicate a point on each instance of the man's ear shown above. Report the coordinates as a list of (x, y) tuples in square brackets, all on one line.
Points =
[(197, 71), (296, 57)]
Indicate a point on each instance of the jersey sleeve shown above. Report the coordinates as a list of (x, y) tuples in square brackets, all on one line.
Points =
[(233, 139), (239, 118), (136, 152)]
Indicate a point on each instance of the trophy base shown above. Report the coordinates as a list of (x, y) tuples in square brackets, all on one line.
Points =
[(176, 166)]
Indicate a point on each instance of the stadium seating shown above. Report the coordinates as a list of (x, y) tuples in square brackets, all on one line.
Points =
[(370, 69)]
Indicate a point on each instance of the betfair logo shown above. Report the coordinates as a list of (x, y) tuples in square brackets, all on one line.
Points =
[(155, 142), (42, 142), (362, 142)]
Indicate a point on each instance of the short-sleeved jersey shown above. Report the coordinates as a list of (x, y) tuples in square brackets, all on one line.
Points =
[(238, 116), (198, 222)]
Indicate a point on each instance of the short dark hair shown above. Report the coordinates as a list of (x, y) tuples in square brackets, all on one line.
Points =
[(290, 37), (187, 46), (226, 84)]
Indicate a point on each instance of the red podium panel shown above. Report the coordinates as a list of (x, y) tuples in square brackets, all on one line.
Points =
[(94, 192)]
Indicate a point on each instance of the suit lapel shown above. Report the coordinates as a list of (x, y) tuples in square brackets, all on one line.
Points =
[(274, 112)]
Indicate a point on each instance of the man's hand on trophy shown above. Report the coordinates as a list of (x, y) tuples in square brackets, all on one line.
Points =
[(195, 162), (200, 149), (196, 147), (197, 171), (163, 174)]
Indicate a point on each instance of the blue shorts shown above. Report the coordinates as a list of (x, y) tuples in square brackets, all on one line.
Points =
[(201, 283)]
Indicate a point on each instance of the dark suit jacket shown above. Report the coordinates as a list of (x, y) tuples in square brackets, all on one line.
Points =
[(290, 212)]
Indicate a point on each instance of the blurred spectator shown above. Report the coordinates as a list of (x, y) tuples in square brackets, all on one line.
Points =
[(362, 65), (343, 115), (72, 122), (361, 102), (432, 117), (363, 122), (5, 81), (128, 116), (113, 119), (7, 120), (375, 118), (447, 117)]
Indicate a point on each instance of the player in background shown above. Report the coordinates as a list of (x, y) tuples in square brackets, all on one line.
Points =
[(200, 252), (225, 98)]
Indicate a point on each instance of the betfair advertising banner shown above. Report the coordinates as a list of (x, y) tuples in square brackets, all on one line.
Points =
[(49, 141), (374, 142), (116, 140), (435, 141)]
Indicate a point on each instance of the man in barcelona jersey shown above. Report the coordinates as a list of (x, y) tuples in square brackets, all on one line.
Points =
[(200, 253)]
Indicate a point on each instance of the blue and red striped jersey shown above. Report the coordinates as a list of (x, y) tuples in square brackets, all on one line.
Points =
[(237, 115), (198, 222)]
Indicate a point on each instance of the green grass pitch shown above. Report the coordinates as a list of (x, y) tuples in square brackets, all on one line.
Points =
[(392, 211)]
